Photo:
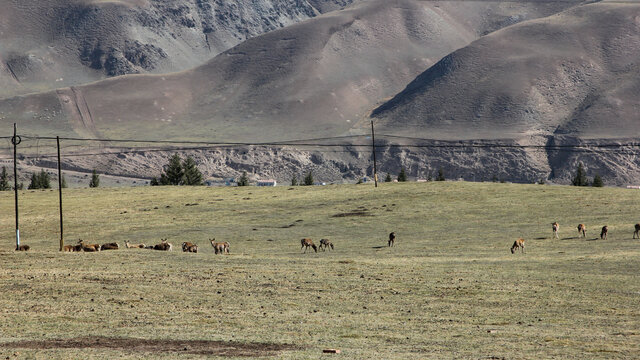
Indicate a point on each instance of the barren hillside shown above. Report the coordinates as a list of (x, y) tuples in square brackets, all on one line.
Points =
[(46, 44)]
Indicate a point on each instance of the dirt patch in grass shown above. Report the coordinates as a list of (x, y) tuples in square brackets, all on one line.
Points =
[(198, 347)]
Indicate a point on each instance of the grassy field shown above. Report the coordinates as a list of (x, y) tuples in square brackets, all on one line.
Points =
[(450, 288)]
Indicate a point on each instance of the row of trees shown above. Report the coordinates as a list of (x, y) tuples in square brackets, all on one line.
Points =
[(581, 178), (179, 172), (402, 176), (41, 180)]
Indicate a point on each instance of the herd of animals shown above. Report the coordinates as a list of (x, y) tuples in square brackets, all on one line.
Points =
[(223, 247), (582, 231)]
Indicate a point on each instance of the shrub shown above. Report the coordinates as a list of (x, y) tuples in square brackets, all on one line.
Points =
[(440, 175), (4, 180), (95, 179), (597, 181), (388, 178)]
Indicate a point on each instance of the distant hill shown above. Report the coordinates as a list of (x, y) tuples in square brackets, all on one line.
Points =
[(46, 44)]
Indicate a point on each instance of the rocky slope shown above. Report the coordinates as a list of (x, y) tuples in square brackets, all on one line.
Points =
[(55, 43)]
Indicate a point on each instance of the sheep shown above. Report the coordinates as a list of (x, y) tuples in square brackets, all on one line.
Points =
[(133, 246), (189, 247), (603, 232), (220, 247), (325, 243), (582, 230), (306, 243), (110, 246), (163, 246), (518, 244), (555, 226), (392, 238), (636, 234), (23, 248)]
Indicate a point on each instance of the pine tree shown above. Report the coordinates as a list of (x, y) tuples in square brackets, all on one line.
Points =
[(35, 182), (64, 182), (597, 181), (294, 181), (154, 181), (440, 175), (402, 176), (45, 180), (581, 177), (244, 179), (192, 176), (4, 180), (173, 173), (95, 179), (388, 178), (308, 180)]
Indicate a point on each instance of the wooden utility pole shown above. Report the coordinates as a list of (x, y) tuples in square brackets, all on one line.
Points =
[(60, 193), (15, 140), (375, 164)]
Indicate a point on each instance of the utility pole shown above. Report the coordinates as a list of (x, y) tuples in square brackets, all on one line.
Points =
[(375, 164), (15, 140), (60, 193)]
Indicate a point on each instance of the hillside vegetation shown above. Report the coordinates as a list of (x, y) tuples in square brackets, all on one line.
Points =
[(450, 288)]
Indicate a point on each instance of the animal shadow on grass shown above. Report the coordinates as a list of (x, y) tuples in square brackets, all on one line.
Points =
[(379, 247), (594, 239), (541, 238)]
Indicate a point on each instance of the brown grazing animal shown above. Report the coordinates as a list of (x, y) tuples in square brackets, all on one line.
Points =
[(133, 246), (110, 246), (72, 248), (89, 247), (555, 226), (603, 232), (325, 243), (189, 247), (392, 238), (220, 247), (582, 230), (636, 234), (517, 244), (163, 246), (307, 243), (23, 248)]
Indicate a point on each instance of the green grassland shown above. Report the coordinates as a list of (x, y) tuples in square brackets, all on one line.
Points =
[(450, 288)]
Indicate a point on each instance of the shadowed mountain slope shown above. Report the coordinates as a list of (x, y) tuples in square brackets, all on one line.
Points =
[(575, 74)]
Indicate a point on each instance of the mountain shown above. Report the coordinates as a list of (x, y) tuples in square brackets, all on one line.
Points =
[(46, 44)]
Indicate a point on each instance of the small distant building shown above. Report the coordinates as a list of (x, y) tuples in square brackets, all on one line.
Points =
[(269, 182), (633, 186)]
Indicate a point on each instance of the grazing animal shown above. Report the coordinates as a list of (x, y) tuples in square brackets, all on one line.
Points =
[(163, 246), (133, 246), (220, 247), (518, 244), (308, 243), (110, 246), (189, 247), (582, 230), (555, 226), (89, 247), (636, 234), (392, 238), (72, 248), (603, 232), (23, 248), (325, 243)]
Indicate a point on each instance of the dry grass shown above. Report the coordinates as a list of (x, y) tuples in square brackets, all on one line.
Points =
[(449, 289)]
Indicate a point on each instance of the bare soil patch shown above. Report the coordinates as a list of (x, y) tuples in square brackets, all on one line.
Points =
[(198, 347)]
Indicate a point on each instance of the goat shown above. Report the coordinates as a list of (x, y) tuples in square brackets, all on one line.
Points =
[(555, 226), (133, 246), (307, 243), (88, 247), (23, 248), (110, 246), (518, 244), (163, 246), (189, 247), (220, 247), (603, 232), (325, 243), (392, 238), (636, 234), (582, 230)]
